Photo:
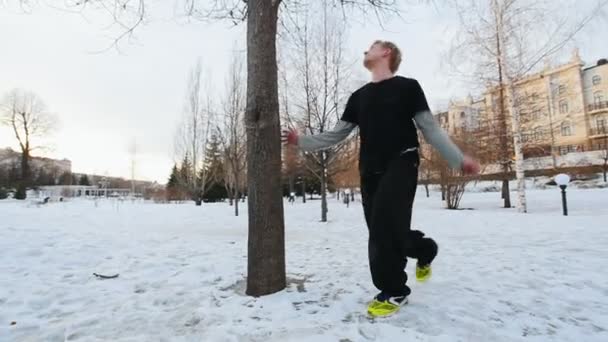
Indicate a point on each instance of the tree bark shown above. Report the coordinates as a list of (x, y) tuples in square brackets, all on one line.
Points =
[(506, 192), (25, 165), (519, 157), (503, 155), (323, 188), (236, 203), (513, 110), (266, 245)]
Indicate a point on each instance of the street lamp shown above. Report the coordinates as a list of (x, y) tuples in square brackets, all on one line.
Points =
[(562, 180)]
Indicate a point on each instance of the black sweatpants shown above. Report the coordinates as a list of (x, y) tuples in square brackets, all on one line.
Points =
[(387, 198)]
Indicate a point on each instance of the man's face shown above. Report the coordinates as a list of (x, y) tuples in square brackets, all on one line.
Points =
[(375, 54)]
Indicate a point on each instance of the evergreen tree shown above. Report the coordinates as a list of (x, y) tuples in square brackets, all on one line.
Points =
[(84, 180), (13, 175), (185, 175), (3, 177), (41, 178), (21, 193), (67, 178), (173, 184), (213, 171)]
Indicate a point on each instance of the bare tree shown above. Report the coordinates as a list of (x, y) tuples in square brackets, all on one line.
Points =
[(194, 132), (509, 38), (436, 170), (291, 157), (26, 115), (133, 154), (319, 56), (232, 132)]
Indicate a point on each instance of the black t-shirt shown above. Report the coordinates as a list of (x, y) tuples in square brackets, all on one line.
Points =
[(384, 112)]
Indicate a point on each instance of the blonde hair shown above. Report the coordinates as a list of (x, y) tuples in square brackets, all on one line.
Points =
[(395, 56)]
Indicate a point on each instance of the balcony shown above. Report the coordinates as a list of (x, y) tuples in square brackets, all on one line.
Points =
[(597, 107), (596, 132)]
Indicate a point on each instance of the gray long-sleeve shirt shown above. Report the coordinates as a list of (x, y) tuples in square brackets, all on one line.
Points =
[(425, 122)]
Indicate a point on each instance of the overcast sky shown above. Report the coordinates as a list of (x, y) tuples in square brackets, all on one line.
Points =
[(106, 100)]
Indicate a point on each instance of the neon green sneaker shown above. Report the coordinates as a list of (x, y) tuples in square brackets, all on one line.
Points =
[(384, 305), (423, 273)]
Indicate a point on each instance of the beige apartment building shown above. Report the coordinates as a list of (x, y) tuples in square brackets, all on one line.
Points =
[(563, 109)]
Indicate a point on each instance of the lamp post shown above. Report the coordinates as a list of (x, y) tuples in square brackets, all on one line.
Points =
[(562, 180)]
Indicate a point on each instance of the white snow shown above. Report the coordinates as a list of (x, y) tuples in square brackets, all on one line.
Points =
[(499, 276)]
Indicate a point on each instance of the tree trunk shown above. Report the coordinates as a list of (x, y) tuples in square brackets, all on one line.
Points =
[(323, 188), (605, 154), (506, 193), (519, 157), (426, 187), (266, 245), (303, 190), (236, 203), (503, 153), (513, 110), (25, 166)]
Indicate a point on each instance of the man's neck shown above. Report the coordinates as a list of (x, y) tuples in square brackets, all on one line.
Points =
[(381, 74)]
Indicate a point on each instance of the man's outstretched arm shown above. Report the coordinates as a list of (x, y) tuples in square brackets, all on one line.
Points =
[(320, 141), (436, 136), (439, 139)]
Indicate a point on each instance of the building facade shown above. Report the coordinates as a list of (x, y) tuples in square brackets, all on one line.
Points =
[(563, 109)]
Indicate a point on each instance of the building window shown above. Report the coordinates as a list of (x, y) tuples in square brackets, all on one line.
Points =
[(598, 97), (600, 123), (538, 134), (567, 149), (534, 97), (566, 129), (562, 90), (563, 107), (600, 146), (597, 79)]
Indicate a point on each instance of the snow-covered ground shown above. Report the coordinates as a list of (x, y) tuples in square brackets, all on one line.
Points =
[(500, 275)]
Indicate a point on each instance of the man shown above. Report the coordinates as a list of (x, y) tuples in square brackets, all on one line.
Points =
[(387, 110)]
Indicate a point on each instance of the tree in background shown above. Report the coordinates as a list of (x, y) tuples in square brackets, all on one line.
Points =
[(319, 92), (26, 114), (193, 134), (212, 173), (84, 180), (67, 178), (231, 133), (173, 188)]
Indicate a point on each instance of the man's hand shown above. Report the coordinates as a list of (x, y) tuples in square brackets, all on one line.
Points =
[(290, 137), (470, 166)]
